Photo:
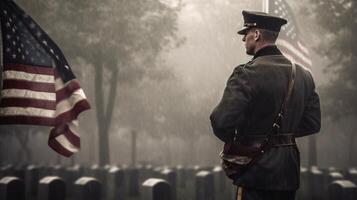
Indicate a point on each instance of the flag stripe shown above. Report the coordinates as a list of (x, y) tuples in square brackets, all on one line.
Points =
[(296, 52), (30, 120), (59, 148), (28, 69), (11, 74), (68, 132), (73, 113), (29, 111), (20, 93), (295, 58), (63, 140), (21, 102), (68, 103), (67, 91), (29, 85)]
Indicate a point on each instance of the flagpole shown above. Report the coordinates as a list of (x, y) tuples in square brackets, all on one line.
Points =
[(0, 60), (266, 6)]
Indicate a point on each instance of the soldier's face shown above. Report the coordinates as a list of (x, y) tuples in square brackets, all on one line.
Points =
[(249, 40)]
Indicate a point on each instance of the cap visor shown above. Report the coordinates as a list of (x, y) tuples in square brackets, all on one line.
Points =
[(243, 31)]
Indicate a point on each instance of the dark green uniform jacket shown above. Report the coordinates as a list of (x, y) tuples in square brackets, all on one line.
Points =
[(250, 103)]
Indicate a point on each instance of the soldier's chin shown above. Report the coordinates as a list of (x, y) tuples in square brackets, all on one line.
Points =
[(249, 52)]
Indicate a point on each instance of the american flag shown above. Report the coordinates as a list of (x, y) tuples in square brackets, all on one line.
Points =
[(289, 40), (39, 87)]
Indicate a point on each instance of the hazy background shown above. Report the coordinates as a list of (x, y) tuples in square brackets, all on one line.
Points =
[(173, 59)]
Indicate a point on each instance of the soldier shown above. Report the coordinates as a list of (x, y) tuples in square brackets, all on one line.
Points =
[(251, 101)]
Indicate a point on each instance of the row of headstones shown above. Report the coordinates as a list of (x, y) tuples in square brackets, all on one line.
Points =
[(123, 182), (54, 188), (318, 184), (50, 188)]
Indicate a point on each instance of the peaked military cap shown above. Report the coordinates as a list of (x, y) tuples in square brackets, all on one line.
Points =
[(255, 19)]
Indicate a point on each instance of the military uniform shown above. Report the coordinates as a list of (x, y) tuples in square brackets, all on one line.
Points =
[(250, 104)]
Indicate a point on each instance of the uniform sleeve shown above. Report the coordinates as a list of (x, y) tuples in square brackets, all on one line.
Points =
[(311, 120), (229, 113)]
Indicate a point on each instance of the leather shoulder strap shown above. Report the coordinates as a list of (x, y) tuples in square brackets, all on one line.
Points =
[(277, 122)]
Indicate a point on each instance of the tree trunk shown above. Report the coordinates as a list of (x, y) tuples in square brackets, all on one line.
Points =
[(351, 150), (133, 148), (104, 112)]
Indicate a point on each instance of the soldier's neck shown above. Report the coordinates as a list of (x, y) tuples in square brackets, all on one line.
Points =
[(260, 46)]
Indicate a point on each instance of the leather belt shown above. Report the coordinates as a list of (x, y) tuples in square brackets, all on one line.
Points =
[(275, 140)]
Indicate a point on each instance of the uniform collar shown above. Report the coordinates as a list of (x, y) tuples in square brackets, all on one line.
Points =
[(268, 50)]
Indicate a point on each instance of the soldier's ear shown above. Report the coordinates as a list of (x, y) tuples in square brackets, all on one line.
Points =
[(257, 35)]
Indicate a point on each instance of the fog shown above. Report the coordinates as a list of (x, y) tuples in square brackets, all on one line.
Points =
[(167, 102)]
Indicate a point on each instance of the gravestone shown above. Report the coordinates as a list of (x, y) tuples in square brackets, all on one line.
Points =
[(302, 192), (19, 171), (342, 190), (219, 179), (32, 178), (6, 170), (58, 170), (115, 184), (334, 176), (352, 175), (317, 183), (171, 177), (44, 171), (156, 189), (100, 173), (70, 175), (87, 188), (157, 172), (52, 188), (204, 186), (147, 172), (181, 176), (12, 188), (133, 178)]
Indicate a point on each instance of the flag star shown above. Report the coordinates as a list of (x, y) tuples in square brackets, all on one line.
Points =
[(27, 52), (42, 61), (38, 34), (51, 50), (22, 45), (23, 57), (10, 19), (13, 43), (7, 24), (13, 30), (8, 36), (44, 42), (18, 50), (32, 59), (8, 49), (67, 67), (5, 12), (14, 56), (57, 57)]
